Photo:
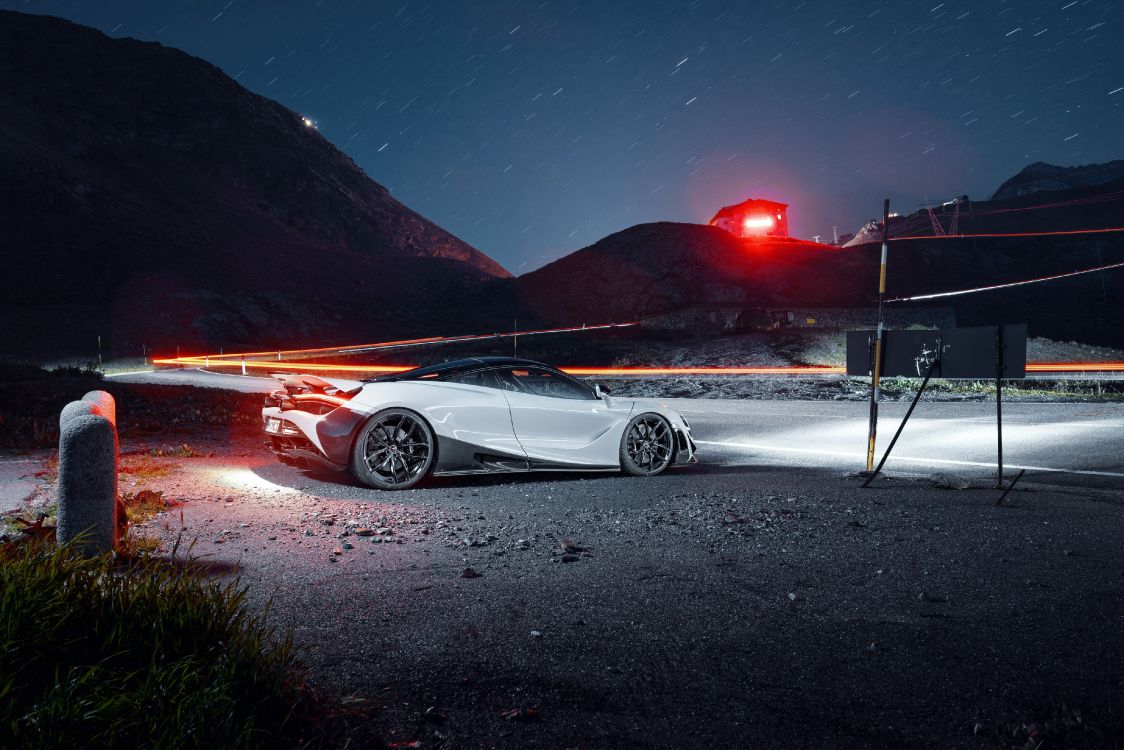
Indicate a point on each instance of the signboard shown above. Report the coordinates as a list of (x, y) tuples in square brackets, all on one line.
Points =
[(967, 353)]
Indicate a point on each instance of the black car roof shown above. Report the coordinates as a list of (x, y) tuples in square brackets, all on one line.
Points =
[(455, 366)]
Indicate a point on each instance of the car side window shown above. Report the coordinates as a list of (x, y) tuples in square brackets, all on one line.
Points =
[(479, 378), (541, 382)]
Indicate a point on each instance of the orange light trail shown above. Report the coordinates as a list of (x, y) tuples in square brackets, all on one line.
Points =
[(277, 366), (1075, 367), (1071, 367)]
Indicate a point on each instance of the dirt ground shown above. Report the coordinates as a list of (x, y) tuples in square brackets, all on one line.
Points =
[(716, 606)]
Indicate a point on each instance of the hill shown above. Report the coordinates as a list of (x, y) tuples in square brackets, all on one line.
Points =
[(150, 199), (1041, 177), (652, 268)]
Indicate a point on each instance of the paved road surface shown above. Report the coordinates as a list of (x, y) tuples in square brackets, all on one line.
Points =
[(1077, 444), (755, 600), (1074, 444)]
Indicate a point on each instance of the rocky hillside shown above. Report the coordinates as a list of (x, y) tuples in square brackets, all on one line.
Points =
[(148, 198), (1041, 177)]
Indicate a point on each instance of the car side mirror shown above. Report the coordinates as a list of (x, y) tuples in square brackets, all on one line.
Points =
[(601, 391)]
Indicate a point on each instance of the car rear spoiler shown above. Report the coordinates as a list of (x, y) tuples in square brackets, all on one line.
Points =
[(298, 383)]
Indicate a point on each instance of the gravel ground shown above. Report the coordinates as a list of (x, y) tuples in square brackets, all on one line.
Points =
[(711, 607)]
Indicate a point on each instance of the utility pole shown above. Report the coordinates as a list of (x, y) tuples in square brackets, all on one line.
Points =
[(834, 234), (878, 339), (99, 350), (515, 336)]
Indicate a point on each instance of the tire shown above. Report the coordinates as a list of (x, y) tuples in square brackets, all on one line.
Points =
[(647, 445), (394, 451)]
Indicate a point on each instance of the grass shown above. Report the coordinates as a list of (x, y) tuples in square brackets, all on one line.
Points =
[(144, 504), (141, 655)]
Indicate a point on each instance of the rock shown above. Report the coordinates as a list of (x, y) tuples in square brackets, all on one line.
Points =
[(568, 558), (384, 531), (347, 545), (364, 532), (470, 573), (308, 532), (947, 481), (536, 634), (568, 545), (522, 544)]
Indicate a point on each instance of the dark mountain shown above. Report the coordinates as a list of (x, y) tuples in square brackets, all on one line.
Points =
[(654, 268), (651, 268), (1041, 177), (149, 198)]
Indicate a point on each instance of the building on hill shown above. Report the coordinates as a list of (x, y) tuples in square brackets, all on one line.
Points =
[(753, 218)]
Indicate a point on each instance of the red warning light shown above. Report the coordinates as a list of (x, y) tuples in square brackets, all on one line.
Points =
[(752, 223), (753, 218)]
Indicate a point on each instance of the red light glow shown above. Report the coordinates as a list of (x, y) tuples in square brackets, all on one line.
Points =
[(758, 222)]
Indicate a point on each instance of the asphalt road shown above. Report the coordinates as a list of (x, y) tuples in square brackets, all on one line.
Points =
[(757, 599), (1071, 444)]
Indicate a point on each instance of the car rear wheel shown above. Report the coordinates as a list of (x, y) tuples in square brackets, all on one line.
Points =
[(393, 451), (648, 445)]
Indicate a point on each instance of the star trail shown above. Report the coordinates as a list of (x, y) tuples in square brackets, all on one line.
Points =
[(531, 129)]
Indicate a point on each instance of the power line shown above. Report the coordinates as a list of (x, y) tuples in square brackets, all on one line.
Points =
[(1008, 284), (1056, 233)]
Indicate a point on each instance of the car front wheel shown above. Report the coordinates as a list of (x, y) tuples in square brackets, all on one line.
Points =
[(647, 446), (393, 451)]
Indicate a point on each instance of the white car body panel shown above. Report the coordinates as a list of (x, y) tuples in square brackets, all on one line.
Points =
[(567, 430), (478, 428), (467, 413)]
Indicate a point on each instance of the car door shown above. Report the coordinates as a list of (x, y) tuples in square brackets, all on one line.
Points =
[(559, 421), (472, 418)]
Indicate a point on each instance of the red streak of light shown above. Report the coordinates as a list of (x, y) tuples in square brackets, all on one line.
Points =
[(1075, 367), (629, 371), (298, 366)]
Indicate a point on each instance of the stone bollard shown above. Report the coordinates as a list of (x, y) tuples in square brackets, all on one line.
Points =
[(107, 407), (88, 473)]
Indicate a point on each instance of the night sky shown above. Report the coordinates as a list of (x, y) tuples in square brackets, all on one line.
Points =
[(531, 129)]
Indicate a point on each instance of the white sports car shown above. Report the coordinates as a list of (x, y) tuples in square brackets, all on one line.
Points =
[(471, 416)]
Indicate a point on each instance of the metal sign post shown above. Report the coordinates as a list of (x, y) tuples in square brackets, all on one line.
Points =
[(876, 373), (978, 353), (1000, 367)]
